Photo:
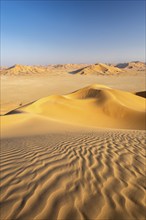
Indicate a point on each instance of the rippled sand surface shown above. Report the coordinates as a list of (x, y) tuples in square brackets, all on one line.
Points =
[(73, 175)]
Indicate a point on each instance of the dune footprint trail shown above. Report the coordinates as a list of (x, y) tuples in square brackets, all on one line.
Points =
[(91, 175)]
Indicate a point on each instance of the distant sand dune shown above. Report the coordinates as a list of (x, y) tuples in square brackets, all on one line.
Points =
[(137, 65), (99, 69), (21, 69), (18, 69), (86, 175), (81, 69)]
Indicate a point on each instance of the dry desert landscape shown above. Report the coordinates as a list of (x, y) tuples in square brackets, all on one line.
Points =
[(73, 142)]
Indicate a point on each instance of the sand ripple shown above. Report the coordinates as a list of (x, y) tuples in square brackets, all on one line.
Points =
[(91, 175)]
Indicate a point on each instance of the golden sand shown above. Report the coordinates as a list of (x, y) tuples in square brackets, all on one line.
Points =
[(69, 157), (74, 175), (95, 105)]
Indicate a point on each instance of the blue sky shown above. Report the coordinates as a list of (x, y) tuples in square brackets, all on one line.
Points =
[(50, 32)]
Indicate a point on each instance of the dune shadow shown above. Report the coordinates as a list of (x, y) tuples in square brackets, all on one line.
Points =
[(13, 112), (17, 110), (141, 94), (76, 71), (122, 65)]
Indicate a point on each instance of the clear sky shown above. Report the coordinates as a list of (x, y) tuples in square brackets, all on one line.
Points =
[(53, 32)]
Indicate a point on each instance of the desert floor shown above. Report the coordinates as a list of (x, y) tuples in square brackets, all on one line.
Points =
[(16, 90), (52, 170)]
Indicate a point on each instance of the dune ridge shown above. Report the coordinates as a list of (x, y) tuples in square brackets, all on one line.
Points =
[(98, 68), (86, 175), (135, 65), (23, 69), (68, 66), (18, 69), (95, 105), (81, 69)]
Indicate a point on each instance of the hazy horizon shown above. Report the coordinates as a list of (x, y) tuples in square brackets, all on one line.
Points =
[(47, 64), (60, 32)]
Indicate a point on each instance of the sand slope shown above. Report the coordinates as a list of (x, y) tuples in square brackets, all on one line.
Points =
[(22, 69), (68, 66), (80, 69), (95, 105), (137, 65), (84, 175), (99, 69), (42, 85), (52, 169), (18, 69)]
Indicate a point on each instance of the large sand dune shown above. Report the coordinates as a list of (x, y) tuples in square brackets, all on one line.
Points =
[(95, 105), (15, 89), (57, 164)]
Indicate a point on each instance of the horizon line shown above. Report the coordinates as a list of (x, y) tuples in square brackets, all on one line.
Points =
[(132, 61)]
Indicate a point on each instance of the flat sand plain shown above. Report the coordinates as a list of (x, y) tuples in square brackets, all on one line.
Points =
[(59, 170)]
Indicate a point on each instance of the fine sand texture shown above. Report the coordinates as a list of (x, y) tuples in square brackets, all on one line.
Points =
[(72, 149), (74, 176)]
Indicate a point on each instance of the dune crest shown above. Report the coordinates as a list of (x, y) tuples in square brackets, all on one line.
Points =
[(68, 66), (81, 69), (135, 65), (99, 69), (18, 69), (95, 105)]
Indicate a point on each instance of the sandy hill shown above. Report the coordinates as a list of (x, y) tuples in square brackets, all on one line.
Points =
[(82, 69), (51, 169), (22, 69), (69, 66), (136, 65), (99, 69), (95, 105)]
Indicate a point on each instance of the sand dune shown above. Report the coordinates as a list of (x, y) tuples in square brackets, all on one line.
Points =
[(83, 175), (57, 164), (95, 105), (98, 69), (69, 66), (137, 65), (23, 69), (82, 69), (15, 90)]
